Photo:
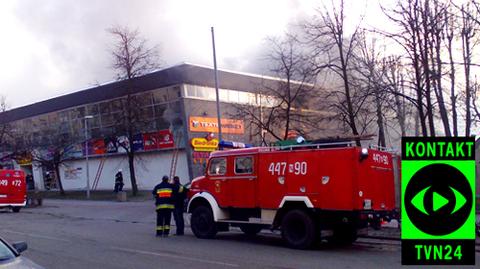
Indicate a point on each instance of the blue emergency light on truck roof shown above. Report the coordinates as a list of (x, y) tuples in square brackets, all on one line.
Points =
[(232, 144)]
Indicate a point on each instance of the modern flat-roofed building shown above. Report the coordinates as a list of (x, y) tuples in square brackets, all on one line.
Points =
[(176, 107)]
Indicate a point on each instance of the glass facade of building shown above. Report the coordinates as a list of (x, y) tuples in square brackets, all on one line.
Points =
[(158, 109)]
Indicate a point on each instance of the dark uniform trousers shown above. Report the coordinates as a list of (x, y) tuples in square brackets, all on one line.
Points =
[(178, 216), (178, 210), (164, 216)]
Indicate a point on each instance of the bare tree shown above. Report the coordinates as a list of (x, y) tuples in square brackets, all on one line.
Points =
[(281, 105), (50, 150), (436, 15), (131, 58), (4, 126), (372, 76), (476, 102), (450, 33), (468, 33), (334, 51)]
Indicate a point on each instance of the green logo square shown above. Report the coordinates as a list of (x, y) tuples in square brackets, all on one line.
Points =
[(450, 213)]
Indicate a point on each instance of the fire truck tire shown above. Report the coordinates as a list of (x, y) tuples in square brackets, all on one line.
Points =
[(250, 229), (298, 229), (16, 209), (202, 223)]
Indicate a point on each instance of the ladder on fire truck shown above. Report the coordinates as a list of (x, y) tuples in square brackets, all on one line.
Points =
[(177, 137)]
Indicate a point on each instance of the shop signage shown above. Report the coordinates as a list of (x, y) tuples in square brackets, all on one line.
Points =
[(158, 140), (202, 144), (203, 124)]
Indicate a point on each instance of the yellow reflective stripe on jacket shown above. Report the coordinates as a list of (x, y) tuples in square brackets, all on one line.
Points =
[(165, 206), (159, 228), (164, 193)]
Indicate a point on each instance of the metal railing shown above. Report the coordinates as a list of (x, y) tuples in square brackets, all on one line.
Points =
[(311, 146)]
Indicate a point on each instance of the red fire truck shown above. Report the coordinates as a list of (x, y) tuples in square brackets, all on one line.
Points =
[(13, 190), (308, 192)]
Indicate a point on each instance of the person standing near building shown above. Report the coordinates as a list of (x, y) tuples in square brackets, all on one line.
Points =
[(118, 181), (180, 195), (163, 194)]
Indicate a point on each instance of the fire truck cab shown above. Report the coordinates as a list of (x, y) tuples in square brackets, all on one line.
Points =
[(13, 189), (308, 192)]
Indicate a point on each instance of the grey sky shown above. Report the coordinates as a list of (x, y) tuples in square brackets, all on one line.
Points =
[(53, 47)]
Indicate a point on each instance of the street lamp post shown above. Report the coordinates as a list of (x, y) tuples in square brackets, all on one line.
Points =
[(86, 153), (217, 94)]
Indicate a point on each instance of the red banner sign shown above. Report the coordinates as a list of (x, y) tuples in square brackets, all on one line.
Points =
[(158, 140)]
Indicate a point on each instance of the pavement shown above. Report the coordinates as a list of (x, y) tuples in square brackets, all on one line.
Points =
[(97, 234)]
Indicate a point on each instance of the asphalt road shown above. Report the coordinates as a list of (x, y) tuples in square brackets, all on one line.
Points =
[(84, 234)]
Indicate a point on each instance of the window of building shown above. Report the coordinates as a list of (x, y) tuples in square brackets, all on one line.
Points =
[(161, 124), (159, 109), (94, 122), (108, 119), (92, 109), (63, 116), (166, 94), (244, 165), (146, 113), (144, 99), (105, 107), (116, 105), (77, 113), (218, 166), (174, 93)]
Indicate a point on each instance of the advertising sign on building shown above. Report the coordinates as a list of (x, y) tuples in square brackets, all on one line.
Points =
[(98, 146), (203, 124), (74, 151), (200, 157), (138, 142), (202, 144), (72, 173), (166, 139), (158, 140), (111, 145)]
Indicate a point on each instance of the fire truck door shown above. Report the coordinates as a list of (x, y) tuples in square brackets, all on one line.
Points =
[(242, 184), (217, 172)]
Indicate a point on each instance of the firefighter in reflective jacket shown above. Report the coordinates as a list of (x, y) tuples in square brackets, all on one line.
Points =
[(163, 194)]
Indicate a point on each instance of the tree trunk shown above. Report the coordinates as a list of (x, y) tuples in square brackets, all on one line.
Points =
[(400, 111), (381, 130), (453, 97), (426, 69), (131, 168), (59, 180), (351, 116), (436, 49), (466, 60)]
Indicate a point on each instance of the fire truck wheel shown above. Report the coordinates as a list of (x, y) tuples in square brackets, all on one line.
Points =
[(202, 223), (250, 229), (16, 209), (298, 229)]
